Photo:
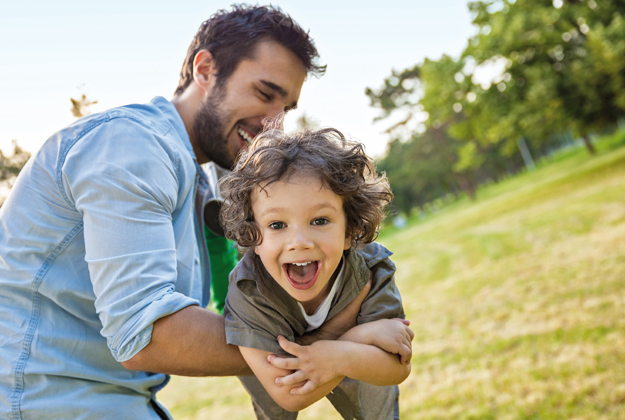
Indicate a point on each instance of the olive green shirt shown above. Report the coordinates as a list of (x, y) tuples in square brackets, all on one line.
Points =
[(258, 309)]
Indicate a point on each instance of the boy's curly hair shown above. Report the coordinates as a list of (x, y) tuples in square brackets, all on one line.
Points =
[(341, 165)]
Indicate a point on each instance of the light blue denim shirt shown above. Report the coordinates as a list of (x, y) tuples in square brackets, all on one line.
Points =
[(99, 238)]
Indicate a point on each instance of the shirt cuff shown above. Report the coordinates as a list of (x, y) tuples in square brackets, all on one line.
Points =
[(137, 332)]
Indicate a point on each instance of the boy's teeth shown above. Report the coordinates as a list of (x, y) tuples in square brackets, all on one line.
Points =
[(302, 264), (245, 136)]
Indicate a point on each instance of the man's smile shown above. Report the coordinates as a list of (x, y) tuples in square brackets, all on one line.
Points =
[(246, 134)]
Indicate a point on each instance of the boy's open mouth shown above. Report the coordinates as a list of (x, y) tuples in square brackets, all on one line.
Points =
[(303, 275)]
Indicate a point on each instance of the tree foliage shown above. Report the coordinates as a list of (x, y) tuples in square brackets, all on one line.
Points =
[(80, 107), (10, 167), (557, 71)]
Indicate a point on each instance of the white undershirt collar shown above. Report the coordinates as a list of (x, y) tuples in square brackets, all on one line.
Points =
[(315, 320)]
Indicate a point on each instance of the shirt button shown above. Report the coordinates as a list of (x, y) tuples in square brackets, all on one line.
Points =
[(197, 261)]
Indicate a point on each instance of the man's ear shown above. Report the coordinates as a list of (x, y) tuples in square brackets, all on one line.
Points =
[(204, 69)]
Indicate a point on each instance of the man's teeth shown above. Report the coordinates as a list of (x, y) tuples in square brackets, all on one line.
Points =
[(302, 264), (245, 136)]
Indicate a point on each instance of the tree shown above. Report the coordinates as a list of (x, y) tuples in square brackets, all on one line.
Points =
[(458, 153), (566, 59), (80, 107), (306, 122), (10, 167), (558, 67)]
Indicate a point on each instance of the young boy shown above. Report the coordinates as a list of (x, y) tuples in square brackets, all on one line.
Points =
[(308, 206)]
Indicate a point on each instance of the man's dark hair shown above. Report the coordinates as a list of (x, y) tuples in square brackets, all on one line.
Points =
[(232, 35), (340, 164)]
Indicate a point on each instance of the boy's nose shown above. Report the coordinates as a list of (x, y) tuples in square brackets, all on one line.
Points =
[(299, 240)]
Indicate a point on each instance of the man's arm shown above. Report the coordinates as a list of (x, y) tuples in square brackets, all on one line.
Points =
[(190, 342)]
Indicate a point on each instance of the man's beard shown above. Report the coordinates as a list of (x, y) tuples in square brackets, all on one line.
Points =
[(209, 130)]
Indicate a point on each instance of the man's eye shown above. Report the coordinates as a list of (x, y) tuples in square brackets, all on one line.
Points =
[(320, 221), (277, 225)]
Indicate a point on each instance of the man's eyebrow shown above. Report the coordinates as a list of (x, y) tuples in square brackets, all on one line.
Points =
[(276, 88), (280, 91)]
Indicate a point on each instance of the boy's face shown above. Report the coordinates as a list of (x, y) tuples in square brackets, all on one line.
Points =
[(303, 230)]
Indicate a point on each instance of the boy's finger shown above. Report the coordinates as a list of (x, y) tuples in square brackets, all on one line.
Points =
[(405, 353), (288, 363), (297, 378), (410, 333), (403, 321), (288, 346), (308, 387)]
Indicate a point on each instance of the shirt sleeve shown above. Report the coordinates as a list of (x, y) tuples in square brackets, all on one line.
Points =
[(123, 178), (383, 300), (251, 321)]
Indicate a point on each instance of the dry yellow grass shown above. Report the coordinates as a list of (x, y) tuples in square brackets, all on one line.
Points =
[(517, 302)]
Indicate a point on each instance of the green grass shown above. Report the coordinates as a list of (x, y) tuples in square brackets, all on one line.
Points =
[(516, 301)]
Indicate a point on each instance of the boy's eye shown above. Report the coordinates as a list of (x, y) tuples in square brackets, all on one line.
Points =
[(320, 221), (276, 225), (264, 95)]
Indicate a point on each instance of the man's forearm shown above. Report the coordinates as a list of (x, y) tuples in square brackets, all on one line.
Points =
[(190, 342)]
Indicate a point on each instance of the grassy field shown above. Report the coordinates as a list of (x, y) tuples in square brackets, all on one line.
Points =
[(517, 301)]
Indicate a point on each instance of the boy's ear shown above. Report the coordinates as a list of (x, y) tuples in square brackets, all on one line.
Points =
[(348, 242)]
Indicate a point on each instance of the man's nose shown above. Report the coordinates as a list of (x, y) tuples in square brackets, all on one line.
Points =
[(274, 118)]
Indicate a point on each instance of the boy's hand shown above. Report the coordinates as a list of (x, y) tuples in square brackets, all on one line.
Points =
[(314, 365), (391, 335)]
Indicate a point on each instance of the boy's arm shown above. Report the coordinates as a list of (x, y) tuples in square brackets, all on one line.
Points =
[(323, 361), (390, 335), (267, 374), (320, 367)]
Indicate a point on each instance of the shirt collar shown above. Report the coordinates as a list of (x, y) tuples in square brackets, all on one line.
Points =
[(173, 117)]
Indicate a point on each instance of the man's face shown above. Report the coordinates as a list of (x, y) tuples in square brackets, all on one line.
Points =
[(234, 112)]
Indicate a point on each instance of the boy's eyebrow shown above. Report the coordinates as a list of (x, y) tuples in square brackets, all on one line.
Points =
[(280, 91), (317, 207)]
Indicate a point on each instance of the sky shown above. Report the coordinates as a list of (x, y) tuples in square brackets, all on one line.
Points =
[(120, 52)]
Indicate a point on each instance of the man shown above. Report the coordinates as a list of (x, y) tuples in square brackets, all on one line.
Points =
[(103, 266)]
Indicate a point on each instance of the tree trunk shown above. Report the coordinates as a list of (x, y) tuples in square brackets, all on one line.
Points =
[(588, 144), (466, 186)]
